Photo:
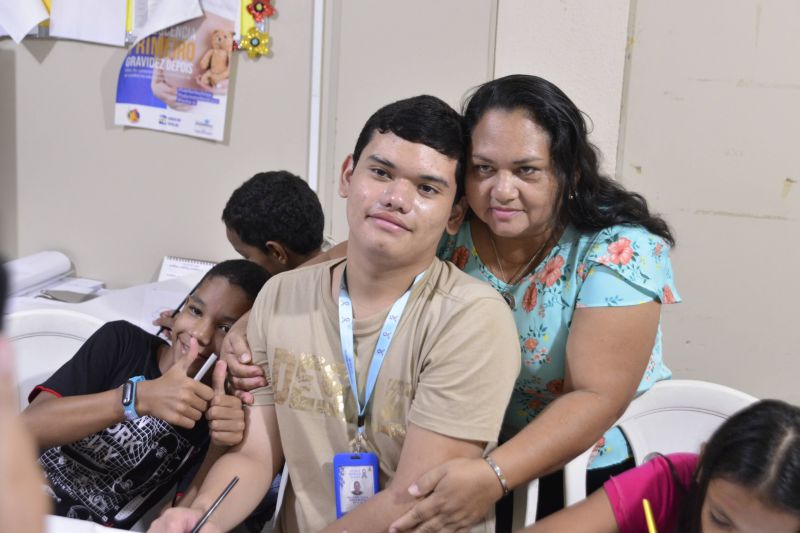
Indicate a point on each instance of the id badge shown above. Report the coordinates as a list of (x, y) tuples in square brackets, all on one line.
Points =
[(355, 480)]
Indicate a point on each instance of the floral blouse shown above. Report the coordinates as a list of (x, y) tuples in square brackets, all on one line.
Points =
[(617, 266)]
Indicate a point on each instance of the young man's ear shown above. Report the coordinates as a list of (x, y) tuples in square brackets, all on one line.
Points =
[(344, 178), (457, 215)]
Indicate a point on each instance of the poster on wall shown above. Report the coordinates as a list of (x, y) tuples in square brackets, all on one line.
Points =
[(176, 80)]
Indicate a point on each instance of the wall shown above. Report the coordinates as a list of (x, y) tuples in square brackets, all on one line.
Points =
[(580, 46), (116, 200), (711, 124)]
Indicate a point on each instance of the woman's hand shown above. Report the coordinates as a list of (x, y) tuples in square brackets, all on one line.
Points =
[(225, 414), (455, 496)]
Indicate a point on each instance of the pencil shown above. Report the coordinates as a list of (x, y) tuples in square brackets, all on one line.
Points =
[(648, 515), (207, 514)]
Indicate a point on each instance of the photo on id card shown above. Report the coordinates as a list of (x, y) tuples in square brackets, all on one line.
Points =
[(356, 480)]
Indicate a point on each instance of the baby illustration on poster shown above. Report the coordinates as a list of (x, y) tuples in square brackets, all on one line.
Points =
[(177, 79)]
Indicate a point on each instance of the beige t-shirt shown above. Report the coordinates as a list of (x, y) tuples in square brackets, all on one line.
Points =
[(449, 369)]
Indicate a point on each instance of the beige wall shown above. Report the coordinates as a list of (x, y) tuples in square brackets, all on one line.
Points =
[(117, 200), (577, 44), (712, 121)]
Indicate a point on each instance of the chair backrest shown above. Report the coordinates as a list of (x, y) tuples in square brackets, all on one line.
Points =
[(673, 416), (43, 340)]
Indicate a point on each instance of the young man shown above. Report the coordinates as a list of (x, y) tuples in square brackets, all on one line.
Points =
[(275, 220), (444, 383), (124, 419)]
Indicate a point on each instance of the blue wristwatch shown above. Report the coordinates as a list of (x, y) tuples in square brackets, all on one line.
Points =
[(129, 397)]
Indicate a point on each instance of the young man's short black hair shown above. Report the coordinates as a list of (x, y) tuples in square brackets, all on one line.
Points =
[(240, 273), (276, 206), (424, 120)]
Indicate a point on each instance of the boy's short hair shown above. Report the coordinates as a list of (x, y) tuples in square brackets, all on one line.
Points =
[(240, 273), (424, 120), (276, 206)]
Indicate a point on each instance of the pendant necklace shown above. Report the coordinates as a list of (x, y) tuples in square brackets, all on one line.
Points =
[(507, 293)]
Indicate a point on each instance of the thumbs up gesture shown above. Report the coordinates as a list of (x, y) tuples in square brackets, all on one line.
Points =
[(175, 397), (225, 415)]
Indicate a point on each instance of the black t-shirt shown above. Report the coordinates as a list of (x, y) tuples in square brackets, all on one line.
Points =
[(114, 476)]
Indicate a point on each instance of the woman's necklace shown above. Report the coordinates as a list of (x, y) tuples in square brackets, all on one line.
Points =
[(507, 295)]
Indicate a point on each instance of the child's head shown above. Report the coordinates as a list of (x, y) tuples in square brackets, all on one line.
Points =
[(748, 477), (274, 219), (225, 293)]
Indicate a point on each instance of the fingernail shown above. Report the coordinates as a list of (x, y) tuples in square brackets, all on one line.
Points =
[(413, 490), (243, 358)]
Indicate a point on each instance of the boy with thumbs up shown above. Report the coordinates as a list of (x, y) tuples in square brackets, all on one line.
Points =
[(123, 419)]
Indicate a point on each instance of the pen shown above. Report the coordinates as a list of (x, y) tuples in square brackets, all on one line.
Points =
[(648, 515), (207, 514), (205, 367)]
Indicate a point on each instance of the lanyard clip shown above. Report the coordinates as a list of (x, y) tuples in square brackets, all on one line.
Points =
[(359, 444)]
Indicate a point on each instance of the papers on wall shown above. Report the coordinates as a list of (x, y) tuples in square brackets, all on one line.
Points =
[(177, 79), (19, 17), (154, 16), (97, 21), (176, 267), (36, 271)]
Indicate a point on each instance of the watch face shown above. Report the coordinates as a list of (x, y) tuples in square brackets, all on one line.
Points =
[(127, 393)]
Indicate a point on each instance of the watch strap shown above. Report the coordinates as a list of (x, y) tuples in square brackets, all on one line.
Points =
[(129, 406)]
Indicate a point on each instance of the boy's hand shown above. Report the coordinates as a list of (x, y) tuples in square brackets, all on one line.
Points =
[(175, 397), (226, 414), (245, 376)]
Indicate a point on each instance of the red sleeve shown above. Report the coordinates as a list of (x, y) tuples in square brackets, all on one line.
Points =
[(652, 480)]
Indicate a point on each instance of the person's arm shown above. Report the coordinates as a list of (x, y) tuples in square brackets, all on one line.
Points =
[(422, 450), (592, 514), (256, 461), (23, 503), (607, 352), (174, 398)]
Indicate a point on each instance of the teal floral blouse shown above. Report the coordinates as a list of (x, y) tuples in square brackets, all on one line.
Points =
[(618, 266)]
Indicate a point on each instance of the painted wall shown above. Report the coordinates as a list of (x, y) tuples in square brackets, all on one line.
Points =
[(117, 200), (711, 124)]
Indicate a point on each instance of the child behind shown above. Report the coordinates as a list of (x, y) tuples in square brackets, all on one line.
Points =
[(108, 462), (746, 479)]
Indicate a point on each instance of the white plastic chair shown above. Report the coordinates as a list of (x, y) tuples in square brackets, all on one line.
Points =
[(43, 340), (673, 416), (526, 501)]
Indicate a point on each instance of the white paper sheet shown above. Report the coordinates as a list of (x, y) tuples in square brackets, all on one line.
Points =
[(18, 17), (162, 14), (97, 21)]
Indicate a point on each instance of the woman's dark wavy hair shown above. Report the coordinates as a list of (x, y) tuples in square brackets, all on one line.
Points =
[(598, 202), (757, 448)]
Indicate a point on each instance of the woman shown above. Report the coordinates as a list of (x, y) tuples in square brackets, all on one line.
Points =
[(746, 479), (584, 267)]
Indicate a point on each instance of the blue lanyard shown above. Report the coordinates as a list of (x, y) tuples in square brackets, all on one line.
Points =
[(384, 340)]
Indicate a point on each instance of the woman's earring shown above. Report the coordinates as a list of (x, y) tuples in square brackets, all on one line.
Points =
[(572, 195)]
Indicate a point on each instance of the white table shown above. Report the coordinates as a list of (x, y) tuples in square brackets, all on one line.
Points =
[(139, 304)]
